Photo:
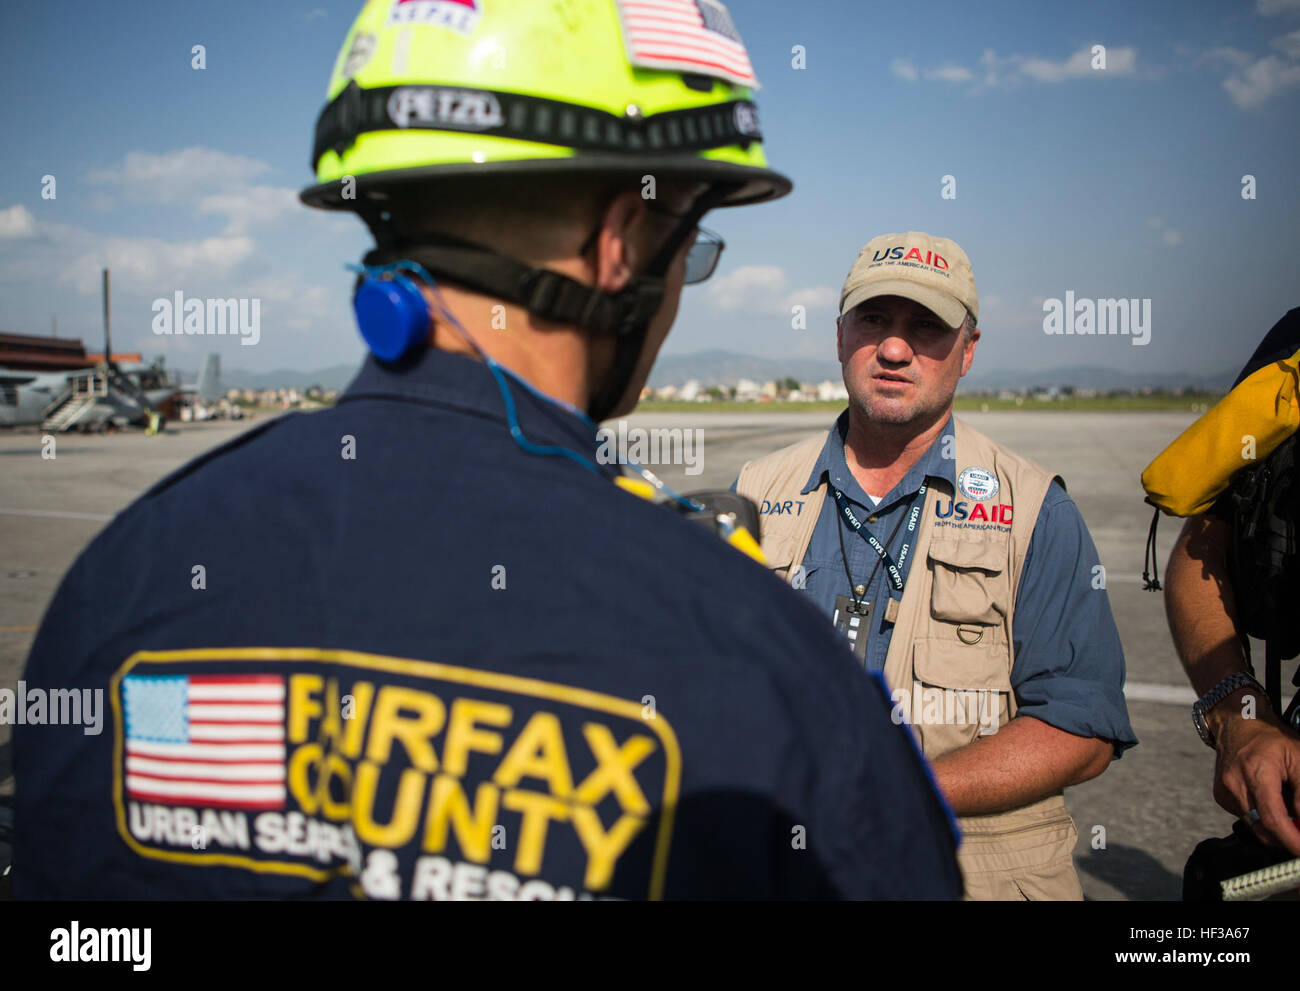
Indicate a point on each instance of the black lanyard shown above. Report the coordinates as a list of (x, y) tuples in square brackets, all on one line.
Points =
[(854, 524)]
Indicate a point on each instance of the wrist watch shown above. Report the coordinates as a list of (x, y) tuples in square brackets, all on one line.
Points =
[(1216, 695)]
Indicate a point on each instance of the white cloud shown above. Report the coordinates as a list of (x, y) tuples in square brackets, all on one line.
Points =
[(246, 207), (289, 303), (313, 14), (1220, 55), (1170, 235), (738, 288), (812, 298), (1270, 7), (178, 176), (1254, 78), (1009, 71), (903, 69), (143, 264), (992, 67), (763, 289), (1254, 85), (1288, 44), (950, 74), (1119, 62), (17, 221)]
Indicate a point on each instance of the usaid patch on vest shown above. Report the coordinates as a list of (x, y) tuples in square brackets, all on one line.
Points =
[(695, 36), (978, 484), (411, 778)]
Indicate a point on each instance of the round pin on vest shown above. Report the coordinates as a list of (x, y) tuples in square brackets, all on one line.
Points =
[(978, 484)]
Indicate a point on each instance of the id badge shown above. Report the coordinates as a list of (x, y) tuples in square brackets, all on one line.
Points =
[(853, 619)]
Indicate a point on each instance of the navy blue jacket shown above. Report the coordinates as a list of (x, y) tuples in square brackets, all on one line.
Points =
[(380, 651)]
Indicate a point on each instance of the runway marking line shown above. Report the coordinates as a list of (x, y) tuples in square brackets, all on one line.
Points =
[(1141, 691), (59, 514)]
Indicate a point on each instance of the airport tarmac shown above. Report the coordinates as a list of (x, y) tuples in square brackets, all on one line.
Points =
[(1137, 823)]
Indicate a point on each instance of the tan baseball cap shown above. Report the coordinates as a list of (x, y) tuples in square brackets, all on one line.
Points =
[(932, 271)]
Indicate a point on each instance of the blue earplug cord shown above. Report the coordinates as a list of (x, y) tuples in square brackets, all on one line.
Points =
[(396, 270)]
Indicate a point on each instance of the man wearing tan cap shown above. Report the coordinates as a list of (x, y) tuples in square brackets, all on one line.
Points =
[(999, 647)]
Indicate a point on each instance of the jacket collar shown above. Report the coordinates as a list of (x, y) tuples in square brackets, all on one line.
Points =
[(832, 466), (456, 382)]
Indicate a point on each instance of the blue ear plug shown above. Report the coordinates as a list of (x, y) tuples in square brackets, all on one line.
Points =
[(392, 314)]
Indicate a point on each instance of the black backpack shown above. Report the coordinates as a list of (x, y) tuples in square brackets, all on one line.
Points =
[(1264, 560), (1264, 568)]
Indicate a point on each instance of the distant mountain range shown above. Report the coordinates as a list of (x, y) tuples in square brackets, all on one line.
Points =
[(335, 377), (729, 367), (1093, 377)]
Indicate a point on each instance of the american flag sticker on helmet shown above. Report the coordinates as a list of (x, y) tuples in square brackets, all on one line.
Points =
[(695, 36)]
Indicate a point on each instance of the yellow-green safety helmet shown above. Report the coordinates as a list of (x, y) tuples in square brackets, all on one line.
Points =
[(427, 90)]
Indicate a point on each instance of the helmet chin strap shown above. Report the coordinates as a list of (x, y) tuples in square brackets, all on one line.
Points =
[(627, 314)]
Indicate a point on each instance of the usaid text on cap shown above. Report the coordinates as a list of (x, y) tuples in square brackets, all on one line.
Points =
[(933, 259)]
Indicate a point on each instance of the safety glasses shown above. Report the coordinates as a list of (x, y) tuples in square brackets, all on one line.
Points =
[(701, 257)]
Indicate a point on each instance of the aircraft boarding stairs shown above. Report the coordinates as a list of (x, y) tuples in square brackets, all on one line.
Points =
[(75, 403)]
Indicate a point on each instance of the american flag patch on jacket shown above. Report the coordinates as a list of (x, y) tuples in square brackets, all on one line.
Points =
[(694, 36), (205, 740)]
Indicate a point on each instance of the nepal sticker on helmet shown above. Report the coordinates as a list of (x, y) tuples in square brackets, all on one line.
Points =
[(459, 15), (978, 484)]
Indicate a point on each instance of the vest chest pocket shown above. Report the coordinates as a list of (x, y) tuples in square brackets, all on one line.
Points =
[(968, 582)]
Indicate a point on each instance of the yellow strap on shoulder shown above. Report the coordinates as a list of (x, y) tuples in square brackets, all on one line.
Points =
[(739, 537), (638, 487), (743, 541), (1244, 426)]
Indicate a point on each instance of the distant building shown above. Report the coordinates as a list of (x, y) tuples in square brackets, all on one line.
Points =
[(829, 391), (42, 354)]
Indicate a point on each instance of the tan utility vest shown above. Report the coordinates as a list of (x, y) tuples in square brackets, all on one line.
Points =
[(951, 652)]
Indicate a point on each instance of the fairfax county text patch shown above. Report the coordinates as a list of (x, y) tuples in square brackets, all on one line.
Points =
[(418, 780)]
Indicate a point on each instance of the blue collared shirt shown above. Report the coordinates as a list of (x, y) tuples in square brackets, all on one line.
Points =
[(1069, 663)]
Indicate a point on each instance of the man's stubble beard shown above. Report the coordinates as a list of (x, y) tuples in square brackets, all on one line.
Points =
[(877, 409)]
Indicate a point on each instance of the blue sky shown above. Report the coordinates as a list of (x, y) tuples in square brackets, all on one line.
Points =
[(1121, 182)]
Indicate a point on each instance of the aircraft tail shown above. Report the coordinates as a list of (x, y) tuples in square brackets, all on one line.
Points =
[(209, 384)]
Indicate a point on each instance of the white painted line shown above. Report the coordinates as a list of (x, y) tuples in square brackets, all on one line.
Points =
[(56, 514), (1141, 691)]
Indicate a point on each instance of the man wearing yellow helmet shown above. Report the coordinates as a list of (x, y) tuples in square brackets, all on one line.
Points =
[(439, 652)]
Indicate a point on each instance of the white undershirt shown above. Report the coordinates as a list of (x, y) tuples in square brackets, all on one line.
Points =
[(875, 499)]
